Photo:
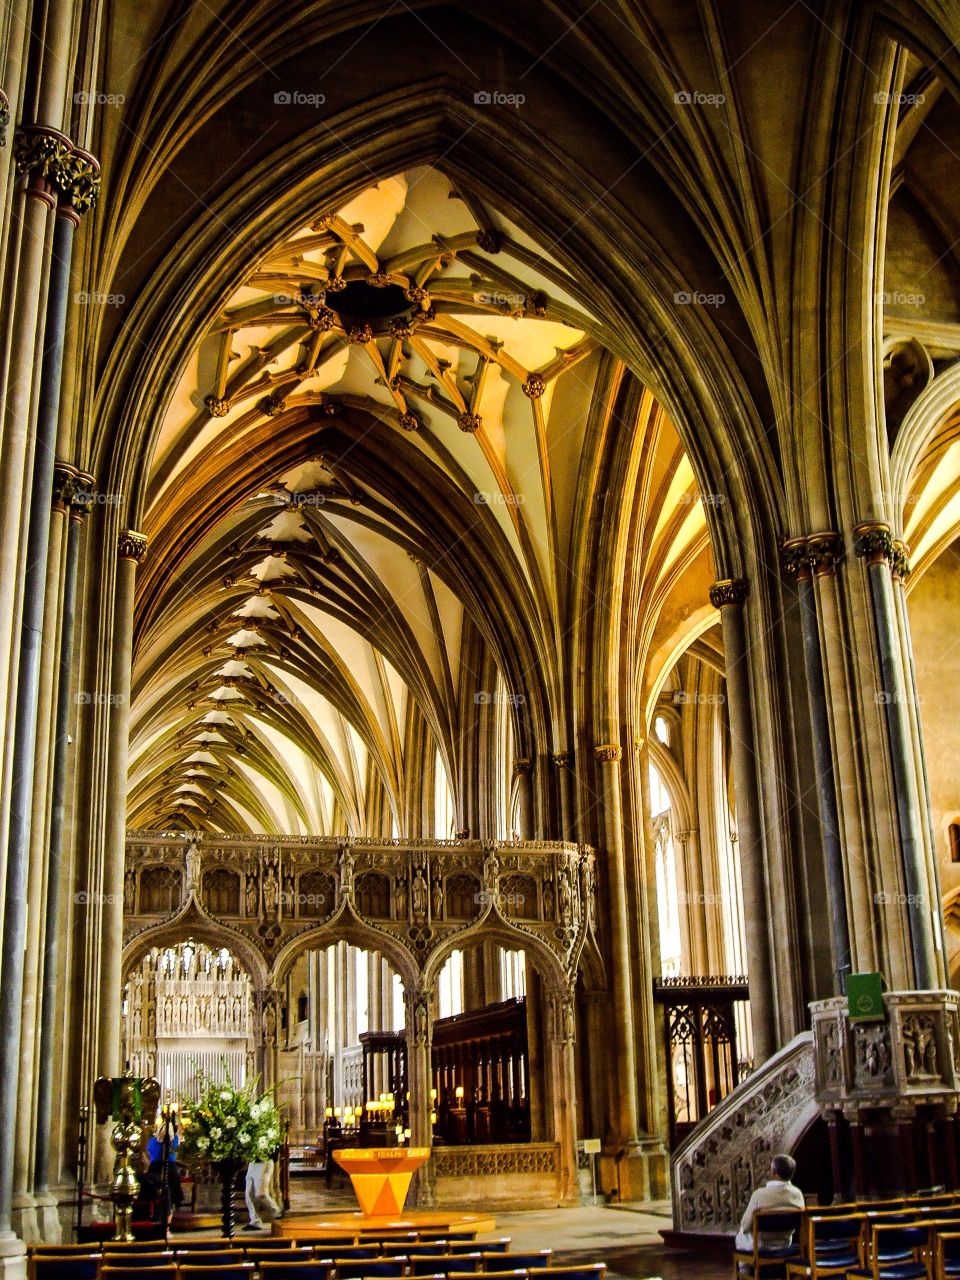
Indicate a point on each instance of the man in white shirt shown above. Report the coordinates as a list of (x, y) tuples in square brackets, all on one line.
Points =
[(779, 1193)]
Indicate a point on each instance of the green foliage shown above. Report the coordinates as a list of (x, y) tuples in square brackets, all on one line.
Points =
[(229, 1123)]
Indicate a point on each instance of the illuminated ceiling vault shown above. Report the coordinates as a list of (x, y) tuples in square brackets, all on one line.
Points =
[(366, 513)]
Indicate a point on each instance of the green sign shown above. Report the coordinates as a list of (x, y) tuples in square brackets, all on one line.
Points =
[(865, 997)]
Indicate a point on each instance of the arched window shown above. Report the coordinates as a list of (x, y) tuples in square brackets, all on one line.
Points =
[(953, 835), (513, 974), (462, 897), (668, 905), (442, 802), (373, 895), (159, 891), (221, 892), (450, 986), (662, 730)]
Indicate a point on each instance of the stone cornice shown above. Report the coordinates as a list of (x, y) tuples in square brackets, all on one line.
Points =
[(729, 591), (132, 545)]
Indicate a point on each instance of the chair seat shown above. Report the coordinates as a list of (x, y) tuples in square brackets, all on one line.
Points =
[(896, 1271), (836, 1258), (778, 1251)]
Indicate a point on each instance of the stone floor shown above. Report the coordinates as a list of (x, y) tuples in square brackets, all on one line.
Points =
[(626, 1238)]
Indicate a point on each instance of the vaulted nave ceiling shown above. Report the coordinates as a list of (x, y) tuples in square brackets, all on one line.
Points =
[(364, 514)]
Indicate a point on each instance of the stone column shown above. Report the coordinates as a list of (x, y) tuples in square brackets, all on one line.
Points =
[(131, 550), (563, 760), (804, 558), (728, 596), (419, 1042), (523, 770), (563, 1090), (874, 543), (625, 1146)]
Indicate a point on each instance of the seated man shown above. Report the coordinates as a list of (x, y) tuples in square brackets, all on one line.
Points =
[(779, 1193)]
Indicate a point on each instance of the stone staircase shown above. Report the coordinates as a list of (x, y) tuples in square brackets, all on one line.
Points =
[(715, 1169)]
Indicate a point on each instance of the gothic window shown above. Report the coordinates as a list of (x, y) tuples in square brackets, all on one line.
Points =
[(315, 895), (954, 837), (668, 904), (462, 897), (450, 986), (303, 1006), (442, 802), (159, 891), (513, 974), (373, 896), (518, 897), (221, 892)]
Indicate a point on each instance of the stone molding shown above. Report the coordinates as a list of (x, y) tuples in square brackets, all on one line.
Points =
[(729, 591), (716, 1168), (415, 894), (912, 1057)]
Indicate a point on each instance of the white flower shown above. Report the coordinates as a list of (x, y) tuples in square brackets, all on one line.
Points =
[(202, 1144), (216, 1133), (225, 1095), (230, 1122), (243, 1139)]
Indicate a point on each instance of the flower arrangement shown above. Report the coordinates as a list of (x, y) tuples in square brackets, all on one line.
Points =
[(229, 1123)]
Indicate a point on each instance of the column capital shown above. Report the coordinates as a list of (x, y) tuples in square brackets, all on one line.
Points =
[(873, 541), (794, 559), (729, 591), (78, 181), (74, 491), (132, 545), (900, 563), (608, 753), (816, 554), (4, 117), (562, 759), (522, 765), (39, 153)]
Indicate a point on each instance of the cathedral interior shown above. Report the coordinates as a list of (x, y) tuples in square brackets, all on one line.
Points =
[(480, 656)]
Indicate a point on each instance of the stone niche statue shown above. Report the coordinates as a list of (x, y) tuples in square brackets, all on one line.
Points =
[(419, 896)]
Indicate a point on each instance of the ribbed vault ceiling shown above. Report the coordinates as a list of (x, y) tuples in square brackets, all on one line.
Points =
[(365, 511)]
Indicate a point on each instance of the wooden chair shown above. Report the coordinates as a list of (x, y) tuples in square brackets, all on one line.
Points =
[(130, 1271), (297, 1269), (946, 1255), (532, 1261), (829, 1246), (895, 1251), (452, 1263), (585, 1271), (372, 1268), (766, 1257), (64, 1266)]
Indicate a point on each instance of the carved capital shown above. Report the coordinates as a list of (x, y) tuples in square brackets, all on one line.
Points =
[(608, 753), (824, 552), (216, 406), (39, 154), (873, 541), (271, 406), (78, 180), (729, 591), (132, 545), (522, 765), (490, 241), (794, 559), (900, 562), (64, 483), (4, 117)]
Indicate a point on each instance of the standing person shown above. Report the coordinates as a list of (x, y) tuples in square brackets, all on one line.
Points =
[(165, 1134), (778, 1193), (257, 1192)]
